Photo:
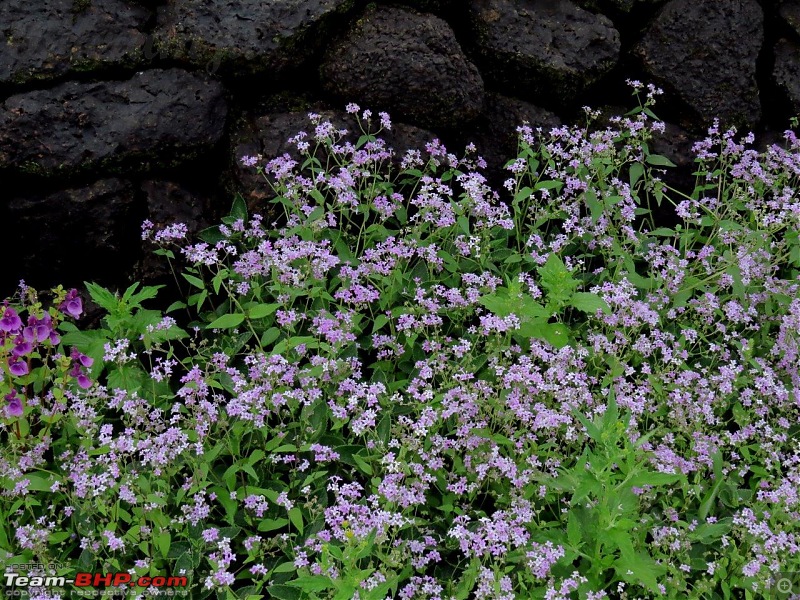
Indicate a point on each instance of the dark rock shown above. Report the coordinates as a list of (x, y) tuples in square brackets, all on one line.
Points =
[(438, 7), (156, 117), (789, 10), (244, 37), (267, 135), (408, 64), (75, 234), (624, 6), (52, 38), (787, 71), (542, 49), (704, 52), (495, 132)]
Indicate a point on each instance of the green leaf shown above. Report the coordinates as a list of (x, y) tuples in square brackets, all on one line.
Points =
[(663, 232), (636, 172), (468, 580), (296, 517), (315, 214), (259, 311), (548, 184), (102, 297), (345, 591), (228, 321), (286, 567), (659, 161), (239, 208), (197, 299), (639, 568), (284, 592), (595, 206), (556, 334), (211, 235), (379, 322), (127, 377), (270, 335), (362, 464), (163, 540), (591, 429), (195, 281), (498, 305), (463, 223), (38, 483), (708, 533), (653, 479), (272, 524), (148, 292), (589, 303), (574, 530), (557, 280), (523, 194), (312, 583), (176, 306)]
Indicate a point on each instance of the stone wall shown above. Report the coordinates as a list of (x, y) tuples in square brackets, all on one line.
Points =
[(113, 111)]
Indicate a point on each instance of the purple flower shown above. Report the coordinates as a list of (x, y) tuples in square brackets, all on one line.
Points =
[(38, 330), (18, 368), (211, 534), (10, 321), (79, 362), (21, 347), (72, 305), (78, 374), (78, 357), (14, 407)]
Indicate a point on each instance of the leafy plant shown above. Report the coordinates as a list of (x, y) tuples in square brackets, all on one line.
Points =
[(413, 386)]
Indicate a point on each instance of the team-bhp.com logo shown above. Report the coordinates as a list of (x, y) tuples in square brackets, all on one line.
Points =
[(18, 581)]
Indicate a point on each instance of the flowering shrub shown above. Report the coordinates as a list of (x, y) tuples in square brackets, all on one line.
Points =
[(414, 386)]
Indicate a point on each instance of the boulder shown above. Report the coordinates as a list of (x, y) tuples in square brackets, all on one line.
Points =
[(406, 63), (74, 235), (789, 10), (704, 52), (624, 6), (54, 38), (542, 49), (243, 37), (157, 118), (786, 71), (439, 7)]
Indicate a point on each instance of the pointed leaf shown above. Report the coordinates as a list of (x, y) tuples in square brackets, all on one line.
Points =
[(228, 321), (589, 303)]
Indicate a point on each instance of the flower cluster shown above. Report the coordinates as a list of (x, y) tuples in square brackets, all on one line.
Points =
[(413, 386)]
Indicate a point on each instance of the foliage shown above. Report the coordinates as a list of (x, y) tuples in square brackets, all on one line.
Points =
[(410, 388)]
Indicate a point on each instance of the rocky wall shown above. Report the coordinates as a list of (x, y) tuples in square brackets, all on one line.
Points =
[(113, 111)]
